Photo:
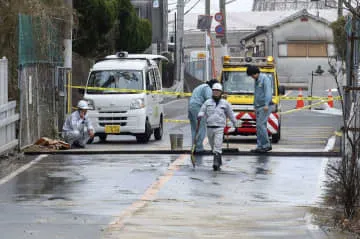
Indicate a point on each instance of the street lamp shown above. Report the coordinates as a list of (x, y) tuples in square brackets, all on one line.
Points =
[(318, 72)]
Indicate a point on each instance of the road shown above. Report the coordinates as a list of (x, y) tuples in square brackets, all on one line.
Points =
[(162, 196)]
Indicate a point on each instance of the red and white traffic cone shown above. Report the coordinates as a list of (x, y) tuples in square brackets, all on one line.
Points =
[(300, 100), (330, 99)]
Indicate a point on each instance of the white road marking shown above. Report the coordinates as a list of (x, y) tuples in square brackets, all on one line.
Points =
[(21, 169)]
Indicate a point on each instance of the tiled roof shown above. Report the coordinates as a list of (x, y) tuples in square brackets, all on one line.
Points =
[(251, 20)]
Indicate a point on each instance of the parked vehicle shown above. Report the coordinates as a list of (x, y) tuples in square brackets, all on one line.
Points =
[(121, 91), (239, 89)]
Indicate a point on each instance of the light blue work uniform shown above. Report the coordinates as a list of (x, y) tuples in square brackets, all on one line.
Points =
[(216, 115), (199, 95), (263, 97), (76, 130)]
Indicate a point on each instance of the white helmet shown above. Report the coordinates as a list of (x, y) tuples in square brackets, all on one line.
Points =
[(217, 86), (83, 105)]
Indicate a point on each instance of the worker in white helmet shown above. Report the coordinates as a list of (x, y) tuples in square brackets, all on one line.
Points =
[(216, 110), (77, 129)]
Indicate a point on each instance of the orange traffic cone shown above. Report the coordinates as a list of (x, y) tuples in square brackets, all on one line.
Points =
[(330, 99), (300, 100)]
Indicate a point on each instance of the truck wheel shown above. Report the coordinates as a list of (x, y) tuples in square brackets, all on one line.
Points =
[(145, 137), (276, 137), (158, 132)]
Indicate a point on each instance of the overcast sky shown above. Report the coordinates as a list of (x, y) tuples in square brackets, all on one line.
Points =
[(235, 6)]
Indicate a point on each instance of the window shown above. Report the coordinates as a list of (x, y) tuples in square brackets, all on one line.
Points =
[(115, 79), (317, 49), (237, 82), (158, 79), (250, 51), (150, 85), (303, 49), (297, 49)]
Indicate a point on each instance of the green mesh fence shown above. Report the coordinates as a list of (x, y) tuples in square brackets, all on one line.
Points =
[(40, 40)]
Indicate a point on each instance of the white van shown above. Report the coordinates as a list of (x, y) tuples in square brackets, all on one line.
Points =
[(116, 91)]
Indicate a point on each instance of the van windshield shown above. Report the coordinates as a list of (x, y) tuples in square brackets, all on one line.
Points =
[(237, 82), (115, 79)]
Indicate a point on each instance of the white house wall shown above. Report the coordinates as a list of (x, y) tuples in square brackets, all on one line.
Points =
[(298, 69)]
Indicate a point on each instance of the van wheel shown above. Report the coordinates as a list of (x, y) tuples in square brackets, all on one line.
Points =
[(102, 137), (158, 133), (145, 137), (276, 137)]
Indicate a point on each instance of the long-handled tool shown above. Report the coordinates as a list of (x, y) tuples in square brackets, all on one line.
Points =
[(192, 156), (228, 149)]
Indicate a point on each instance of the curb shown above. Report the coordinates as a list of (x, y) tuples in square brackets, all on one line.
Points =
[(233, 152)]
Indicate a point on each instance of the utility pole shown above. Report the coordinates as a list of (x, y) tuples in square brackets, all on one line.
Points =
[(68, 35), (224, 39), (340, 8), (179, 45), (207, 35), (157, 26), (164, 45), (159, 20), (350, 68)]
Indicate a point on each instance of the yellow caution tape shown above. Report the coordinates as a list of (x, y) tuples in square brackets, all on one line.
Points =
[(302, 108), (280, 113), (159, 92), (155, 92), (176, 121), (338, 133)]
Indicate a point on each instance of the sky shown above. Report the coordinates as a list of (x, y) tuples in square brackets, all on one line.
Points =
[(234, 6)]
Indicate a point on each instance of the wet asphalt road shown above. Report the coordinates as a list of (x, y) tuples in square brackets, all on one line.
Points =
[(162, 196), (142, 196)]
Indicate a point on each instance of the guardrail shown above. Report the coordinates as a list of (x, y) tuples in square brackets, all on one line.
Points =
[(8, 117)]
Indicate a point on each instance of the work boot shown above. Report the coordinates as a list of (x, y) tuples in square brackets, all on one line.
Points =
[(77, 145), (217, 162), (90, 140)]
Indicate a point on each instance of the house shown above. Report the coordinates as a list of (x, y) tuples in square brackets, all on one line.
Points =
[(252, 32), (299, 43), (142, 8)]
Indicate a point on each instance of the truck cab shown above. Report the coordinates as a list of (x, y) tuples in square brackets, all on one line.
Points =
[(239, 90)]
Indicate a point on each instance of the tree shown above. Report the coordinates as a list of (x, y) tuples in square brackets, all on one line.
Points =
[(106, 26), (94, 21), (344, 175), (132, 34), (338, 28)]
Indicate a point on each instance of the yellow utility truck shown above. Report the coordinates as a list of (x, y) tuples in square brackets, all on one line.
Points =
[(239, 89)]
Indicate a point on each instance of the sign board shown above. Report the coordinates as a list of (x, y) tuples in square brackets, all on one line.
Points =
[(204, 22), (197, 55), (220, 30), (155, 3), (219, 17)]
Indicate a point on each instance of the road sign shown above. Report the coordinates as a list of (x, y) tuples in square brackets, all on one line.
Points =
[(219, 17), (220, 30), (204, 22)]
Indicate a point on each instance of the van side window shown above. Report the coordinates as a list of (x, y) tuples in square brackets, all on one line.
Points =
[(150, 80), (155, 79), (158, 79)]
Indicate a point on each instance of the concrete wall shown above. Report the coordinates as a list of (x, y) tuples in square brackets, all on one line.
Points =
[(298, 69)]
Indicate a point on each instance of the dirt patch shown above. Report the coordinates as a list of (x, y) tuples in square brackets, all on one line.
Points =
[(331, 220)]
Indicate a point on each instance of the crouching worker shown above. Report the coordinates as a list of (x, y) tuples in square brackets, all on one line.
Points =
[(77, 129), (216, 110)]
